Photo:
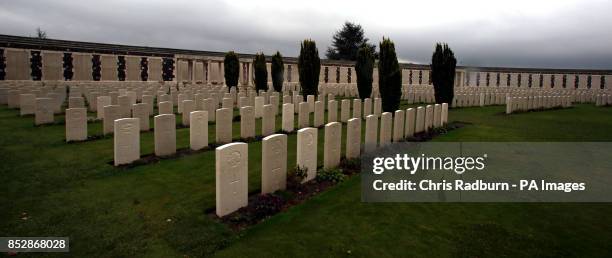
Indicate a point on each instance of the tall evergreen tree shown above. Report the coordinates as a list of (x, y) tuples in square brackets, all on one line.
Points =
[(36, 65), (67, 64), (231, 69), (309, 66), (389, 76), (443, 65), (261, 72), (364, 67), (278, 71), (347, 41)]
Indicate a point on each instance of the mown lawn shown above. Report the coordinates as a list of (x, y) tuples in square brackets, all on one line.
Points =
[(51, 188)]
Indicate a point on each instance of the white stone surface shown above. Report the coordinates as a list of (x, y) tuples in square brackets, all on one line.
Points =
[(141, 111), (44, 111), (247, 122), (345, 109), (303, 115), (319, 113), (165, 108), (420, 120), (111, 113), (288, 117), (27, 104), (409, 123), (437, 116), (223, 126), (274, 163), (332, 111), (268, 121), (125, 106), (367, 107), (188, 107), (371, 133), (231, 177), (386, 127), (398, 125), (198, 130), (126, 140), (76, 124), (101, 102), (165, 134), (307, 151), (259, 103), (332, 145), (353, 138), (356, 108)]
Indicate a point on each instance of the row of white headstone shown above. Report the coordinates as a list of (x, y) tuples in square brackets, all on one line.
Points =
[(518, 104), (406, 124), (603, 100), (231, 160)]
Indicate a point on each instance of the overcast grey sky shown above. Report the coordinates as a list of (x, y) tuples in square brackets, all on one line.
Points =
[(512, 33)]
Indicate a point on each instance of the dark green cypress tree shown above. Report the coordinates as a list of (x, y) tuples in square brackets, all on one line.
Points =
[(231, 69), (309, 66), (443, 65), (278, 71), (261, 72), (389, 76), (364, 67)]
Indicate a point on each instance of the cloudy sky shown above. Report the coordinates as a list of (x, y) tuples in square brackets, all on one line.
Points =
[(511, 33)]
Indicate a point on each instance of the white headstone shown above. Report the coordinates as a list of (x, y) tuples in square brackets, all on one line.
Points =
[(198, 130), (44, 111), (353, 138), (367, 107), (409, 123), (231, 177), (76, 102), (288, 117), (420, 120), (165, 108), (307, 151), (377, 106), (188, 107), (274, 163), (126, 140), (371, 133), (332, 145), (125, 106), (398, 125), (165, 134), (76, 124), (247, 122), (386, 127), (428, 117), (141, 111), (303, 115), (444, 113), (27, 104), (345, 108), (437, 116), (310, 99), (101, 102), (319, 113), (111, 113), (268, 122), (259, 103), (332, 111), (356, 108), (223, 126), (227, 103)]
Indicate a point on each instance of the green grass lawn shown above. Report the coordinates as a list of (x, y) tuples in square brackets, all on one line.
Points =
[(51, 188)]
